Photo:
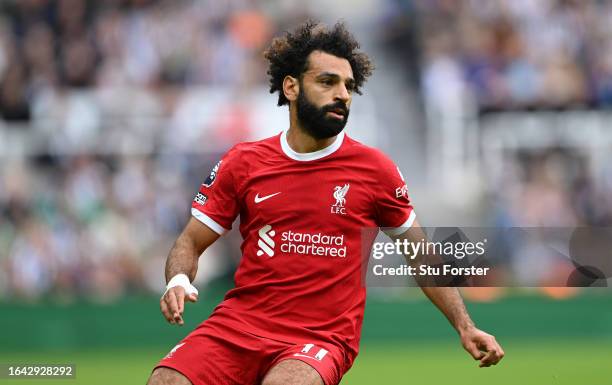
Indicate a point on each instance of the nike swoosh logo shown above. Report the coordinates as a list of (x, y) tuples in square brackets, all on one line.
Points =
[(261, 199)]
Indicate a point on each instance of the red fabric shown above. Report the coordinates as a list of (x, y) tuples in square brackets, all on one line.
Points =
[(309, 294), (216, 354)]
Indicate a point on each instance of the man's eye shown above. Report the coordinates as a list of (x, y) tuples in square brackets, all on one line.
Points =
[(328, 82)]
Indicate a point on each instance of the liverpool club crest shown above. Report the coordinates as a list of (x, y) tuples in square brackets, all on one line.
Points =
[(340, 196)]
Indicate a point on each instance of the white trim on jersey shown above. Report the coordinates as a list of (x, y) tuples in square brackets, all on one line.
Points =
[(208, 221), (308, 156), (392, 232)]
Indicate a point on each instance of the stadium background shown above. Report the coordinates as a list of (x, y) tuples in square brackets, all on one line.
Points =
[(113, 112)]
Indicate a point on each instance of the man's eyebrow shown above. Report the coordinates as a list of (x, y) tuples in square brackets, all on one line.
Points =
[(333, 75)]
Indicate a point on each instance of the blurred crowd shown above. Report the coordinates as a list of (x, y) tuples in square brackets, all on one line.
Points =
[(123, 106), (50, 45), (96, 226), (472, 57), (115, 144), (517, 55), (510, 54), (552, 188)]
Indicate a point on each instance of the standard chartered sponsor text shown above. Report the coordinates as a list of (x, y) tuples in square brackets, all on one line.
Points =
[(313, 244)]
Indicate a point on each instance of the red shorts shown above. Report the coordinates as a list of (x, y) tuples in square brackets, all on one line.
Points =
[(216, 354)]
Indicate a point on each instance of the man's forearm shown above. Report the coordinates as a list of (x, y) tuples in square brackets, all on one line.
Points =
[(449, 301), (482, 346), (183, 258)]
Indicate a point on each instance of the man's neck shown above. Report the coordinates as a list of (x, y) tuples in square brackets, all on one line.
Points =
[(301, 142)]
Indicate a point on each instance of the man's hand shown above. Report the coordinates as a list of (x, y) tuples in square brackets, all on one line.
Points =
[(172, 304), (181, 269), (482, 346)]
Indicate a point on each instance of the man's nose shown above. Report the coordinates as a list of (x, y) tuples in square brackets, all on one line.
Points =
[(342, 94)]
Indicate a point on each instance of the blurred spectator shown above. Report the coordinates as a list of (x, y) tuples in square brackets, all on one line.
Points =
[(14, 100)]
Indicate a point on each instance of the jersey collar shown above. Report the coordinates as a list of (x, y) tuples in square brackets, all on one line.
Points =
[(309, 156)]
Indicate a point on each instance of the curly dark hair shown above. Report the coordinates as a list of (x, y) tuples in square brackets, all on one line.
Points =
[(288, 54)]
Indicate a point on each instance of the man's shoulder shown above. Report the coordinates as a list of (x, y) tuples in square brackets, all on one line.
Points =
[(365, 152), (258, 148)]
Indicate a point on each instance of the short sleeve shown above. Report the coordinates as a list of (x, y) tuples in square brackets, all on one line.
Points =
[(216, 204), (394, 209)]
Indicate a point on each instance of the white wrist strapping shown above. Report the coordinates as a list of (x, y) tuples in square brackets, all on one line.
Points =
[(182, 280)]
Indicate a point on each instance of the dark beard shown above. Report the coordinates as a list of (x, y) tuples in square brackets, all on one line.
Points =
[(314, 120)]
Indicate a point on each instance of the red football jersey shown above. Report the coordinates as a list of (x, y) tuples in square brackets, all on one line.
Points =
[(301, 219)]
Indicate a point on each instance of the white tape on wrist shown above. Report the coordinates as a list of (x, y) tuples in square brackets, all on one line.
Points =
[(182, 280)]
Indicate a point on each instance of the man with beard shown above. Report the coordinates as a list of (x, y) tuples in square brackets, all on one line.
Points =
[(303, 196)]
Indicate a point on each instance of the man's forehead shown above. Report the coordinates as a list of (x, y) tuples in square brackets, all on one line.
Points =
[(324, 63)]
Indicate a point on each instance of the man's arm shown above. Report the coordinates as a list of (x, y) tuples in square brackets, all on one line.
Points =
[(183, 259), (480, 345)]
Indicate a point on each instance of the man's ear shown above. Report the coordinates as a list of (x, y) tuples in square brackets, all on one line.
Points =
[(291, 88)]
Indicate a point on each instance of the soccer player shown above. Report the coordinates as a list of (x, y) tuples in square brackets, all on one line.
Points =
[(303, 196)]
